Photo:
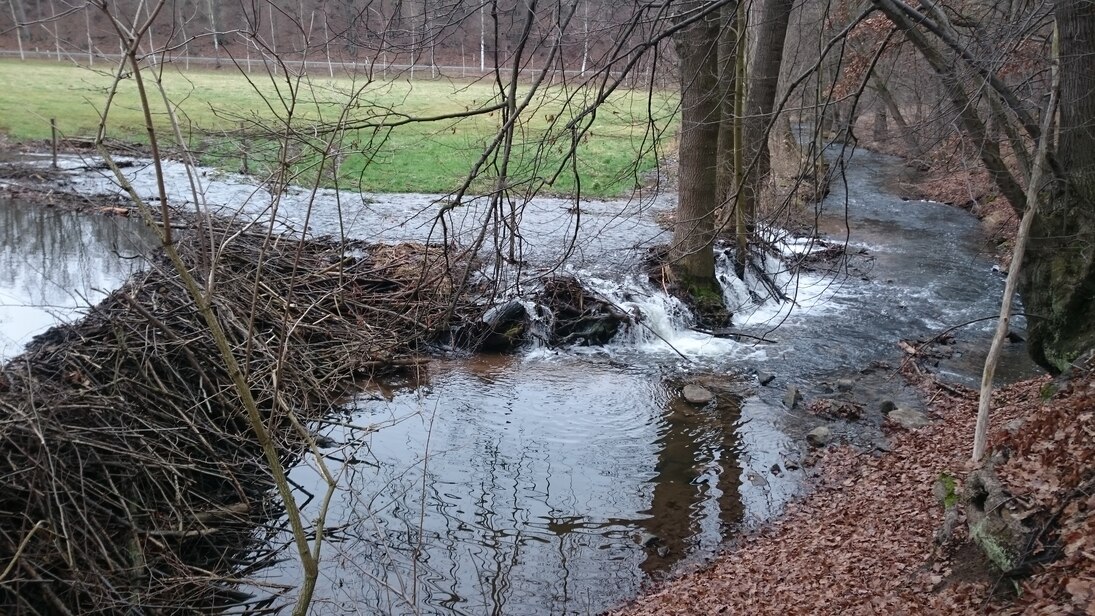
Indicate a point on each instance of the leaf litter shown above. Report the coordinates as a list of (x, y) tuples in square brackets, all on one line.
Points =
[(868, 539)]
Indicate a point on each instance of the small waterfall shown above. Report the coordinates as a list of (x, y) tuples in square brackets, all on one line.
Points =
[(540, 319), (752, 294), (664, 323), (659, 317)]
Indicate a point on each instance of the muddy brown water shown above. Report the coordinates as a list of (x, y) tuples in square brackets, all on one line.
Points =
[(559, 482)]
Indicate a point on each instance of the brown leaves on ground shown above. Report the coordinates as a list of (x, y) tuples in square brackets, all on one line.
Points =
[(863, 542), (835, 409), (1051, 471)]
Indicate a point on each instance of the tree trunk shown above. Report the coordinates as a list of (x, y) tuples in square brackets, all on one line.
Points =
[(763, 80), (1058, 284), (881, 125), (1034, 187), (741, 232), (57, 31), (728, 41), (968, 116), (884, 94), (20, 19), (694, 232), (213, 28)]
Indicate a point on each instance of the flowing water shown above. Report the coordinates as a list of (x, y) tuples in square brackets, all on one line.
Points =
[(558, 482)]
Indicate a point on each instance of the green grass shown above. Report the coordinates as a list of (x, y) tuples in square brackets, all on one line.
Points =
[(223, 114)]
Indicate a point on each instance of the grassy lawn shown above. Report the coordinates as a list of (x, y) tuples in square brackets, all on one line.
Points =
[(223, 115)]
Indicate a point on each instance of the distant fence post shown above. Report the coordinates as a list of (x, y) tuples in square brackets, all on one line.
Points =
[(246, 168), (53, 139)]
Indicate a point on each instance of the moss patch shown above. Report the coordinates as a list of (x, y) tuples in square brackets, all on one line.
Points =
[(995, 549), (949, 490)]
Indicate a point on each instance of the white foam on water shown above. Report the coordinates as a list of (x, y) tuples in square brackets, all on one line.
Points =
[(754, 304), (664, 323)]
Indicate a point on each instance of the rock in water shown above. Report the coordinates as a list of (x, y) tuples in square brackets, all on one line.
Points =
[(792, 397), (695, 394), (845, 384), (648, 540), (765, 377), (908, 418), (819, 436)]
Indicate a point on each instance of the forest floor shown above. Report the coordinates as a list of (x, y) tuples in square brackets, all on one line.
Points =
[(865, 540)]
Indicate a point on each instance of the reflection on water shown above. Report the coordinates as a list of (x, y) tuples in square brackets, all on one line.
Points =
[(53, 264), (509, 486), (696, 489)]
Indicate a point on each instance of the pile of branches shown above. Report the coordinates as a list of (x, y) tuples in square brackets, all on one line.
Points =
[(131, 480), (582, 317)]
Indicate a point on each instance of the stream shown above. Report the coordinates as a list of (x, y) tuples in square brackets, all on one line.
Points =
[(560, 481)]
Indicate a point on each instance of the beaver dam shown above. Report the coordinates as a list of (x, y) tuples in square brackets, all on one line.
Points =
[(133, 479), (554, 477), (130, 475)]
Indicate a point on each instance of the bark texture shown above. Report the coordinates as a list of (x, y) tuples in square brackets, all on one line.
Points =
[(694, 231), (763, 81), (728, 42), (1059, 270)]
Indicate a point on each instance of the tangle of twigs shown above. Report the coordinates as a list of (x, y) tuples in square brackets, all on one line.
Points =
[(130, 480)]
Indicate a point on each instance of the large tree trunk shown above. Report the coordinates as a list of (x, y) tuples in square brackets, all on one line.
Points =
[(694, 231), (763, 80), (1059, 270), (728, 42), (741, 230)]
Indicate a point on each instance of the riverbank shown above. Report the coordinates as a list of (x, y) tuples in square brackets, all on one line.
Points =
[(870, 539)]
